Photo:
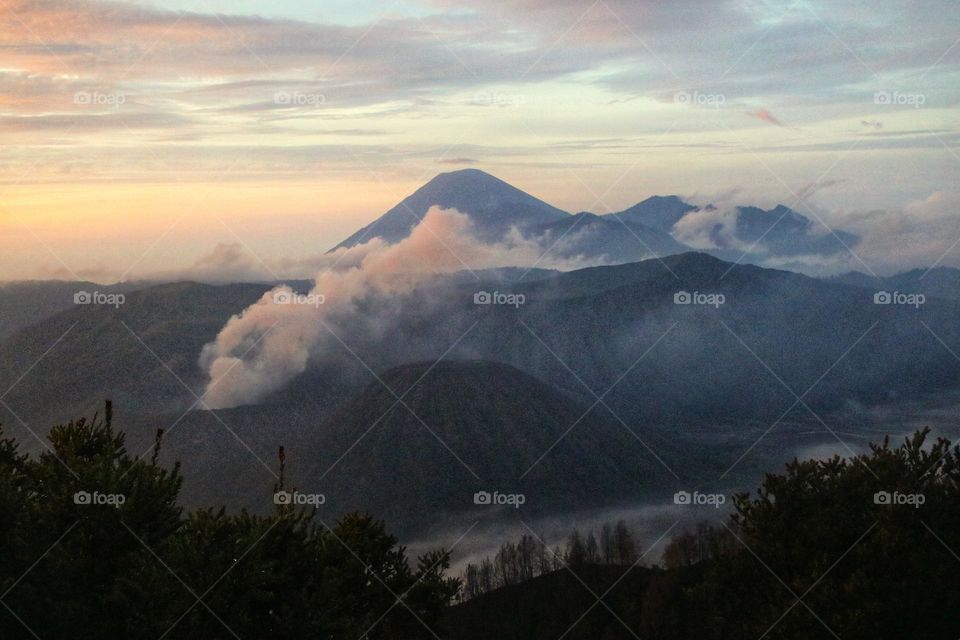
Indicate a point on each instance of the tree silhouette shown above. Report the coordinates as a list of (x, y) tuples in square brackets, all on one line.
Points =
[(94, 545)]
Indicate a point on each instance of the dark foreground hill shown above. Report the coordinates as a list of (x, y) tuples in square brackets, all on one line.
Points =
[(461, 428), (564, 604)]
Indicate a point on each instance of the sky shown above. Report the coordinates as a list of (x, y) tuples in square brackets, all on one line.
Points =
[(147, 136)]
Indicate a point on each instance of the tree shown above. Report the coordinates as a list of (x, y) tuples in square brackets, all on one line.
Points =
[(591, 550), (867, 541), (624, 544), (94, 545), (608, 550), (576, 554), (708, 542)]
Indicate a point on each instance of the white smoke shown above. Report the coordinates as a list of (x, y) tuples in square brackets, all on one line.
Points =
[(922, 233), (710, 228), (260, 350)]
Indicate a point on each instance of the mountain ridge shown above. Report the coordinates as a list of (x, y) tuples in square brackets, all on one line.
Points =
[(642, 230), (492, 204)]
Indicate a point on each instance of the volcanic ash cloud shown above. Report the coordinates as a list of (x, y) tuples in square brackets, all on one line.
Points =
[(260, 350)]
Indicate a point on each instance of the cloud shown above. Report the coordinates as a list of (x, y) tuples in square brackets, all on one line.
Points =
[(87, 122), (810, 189), (226, 262), (918, 235), (921, 234), (710, 228), (766, 116), (260, 350), (459, 161)]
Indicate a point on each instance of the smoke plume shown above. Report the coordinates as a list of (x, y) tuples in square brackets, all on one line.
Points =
[(260, 350)]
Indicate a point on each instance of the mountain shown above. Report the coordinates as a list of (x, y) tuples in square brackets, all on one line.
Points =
[(463, 427), (139, 353), (493, 205), (597, 321), (659, 212), (695, 384), (643, 230), (498, 421), (25, 303), (620, 328), (781, 231), (940, 282), (615, 241)]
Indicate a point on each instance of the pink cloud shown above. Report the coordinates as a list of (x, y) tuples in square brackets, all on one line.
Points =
[(766, 116)]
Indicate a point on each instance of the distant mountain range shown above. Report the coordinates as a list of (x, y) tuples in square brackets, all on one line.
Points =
[(940, 282), (515, 380), (598, 321), (645, 230), (610, 384), (25, 303)]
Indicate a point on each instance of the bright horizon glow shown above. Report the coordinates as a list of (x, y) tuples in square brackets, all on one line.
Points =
[(140, 136)]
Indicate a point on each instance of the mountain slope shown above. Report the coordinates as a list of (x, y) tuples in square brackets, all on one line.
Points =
[(493, 205), (940, 282), (784, 232), (64, 366), (470, 426), (466, 426), (659, 212), (697, 362), (598, 322), (23, 304), (593, 236)]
